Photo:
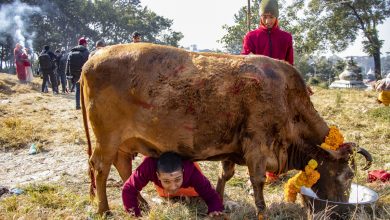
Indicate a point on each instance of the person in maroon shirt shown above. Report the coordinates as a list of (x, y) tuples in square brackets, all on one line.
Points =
[(269, 40), (171, 173)]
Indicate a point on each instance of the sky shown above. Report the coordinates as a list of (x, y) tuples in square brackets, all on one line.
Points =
[(201, 22)]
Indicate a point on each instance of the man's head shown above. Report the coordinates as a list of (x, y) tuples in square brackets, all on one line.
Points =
[(269, 12), (46, 47), (100, 43), (170, 172), (136, 37), (83, 41)]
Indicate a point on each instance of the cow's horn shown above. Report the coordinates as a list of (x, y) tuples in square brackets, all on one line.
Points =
[(367, 155)]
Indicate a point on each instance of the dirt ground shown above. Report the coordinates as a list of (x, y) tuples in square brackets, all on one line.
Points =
[(58, 127)]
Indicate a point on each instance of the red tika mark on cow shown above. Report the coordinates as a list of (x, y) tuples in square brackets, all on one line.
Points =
[(190, 109), (199, 83), (143, 104), (224, 115), (176, 71), (188, 127), (255, 78), (237, 87)]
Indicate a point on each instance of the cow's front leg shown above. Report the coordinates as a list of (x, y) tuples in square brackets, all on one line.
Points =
[(257, 166), (227, 174)]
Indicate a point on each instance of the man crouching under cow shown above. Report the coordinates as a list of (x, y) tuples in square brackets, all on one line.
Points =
[(171, 173)]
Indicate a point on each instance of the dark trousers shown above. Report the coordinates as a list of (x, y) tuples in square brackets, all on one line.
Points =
[(53, 81), (77, 95), (62, 79)]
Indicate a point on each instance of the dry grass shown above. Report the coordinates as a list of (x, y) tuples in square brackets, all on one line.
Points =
[(35, 117)]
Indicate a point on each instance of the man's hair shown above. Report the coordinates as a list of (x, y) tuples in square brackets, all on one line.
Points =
[(57, 51), (136, 34), (46, 47), (169, 162), (100, 43)]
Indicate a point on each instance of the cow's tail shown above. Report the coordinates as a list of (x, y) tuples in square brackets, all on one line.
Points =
[(85, 120)]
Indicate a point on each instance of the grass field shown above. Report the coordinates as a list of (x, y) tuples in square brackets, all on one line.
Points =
[(27, 116)]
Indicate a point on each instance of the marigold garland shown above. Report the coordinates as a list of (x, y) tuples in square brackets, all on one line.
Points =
[(333, 140), (305, 178)]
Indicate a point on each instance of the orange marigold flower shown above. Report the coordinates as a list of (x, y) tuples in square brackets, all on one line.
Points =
[(304, 178), (333, 140)]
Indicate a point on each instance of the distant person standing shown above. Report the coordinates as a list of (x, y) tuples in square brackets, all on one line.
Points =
[(19, 63), (47, 66), (136, 37), (76, 59), (27, 66), (99, 44)]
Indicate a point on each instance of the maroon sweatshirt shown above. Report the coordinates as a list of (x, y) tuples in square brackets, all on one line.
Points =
[(273, 43), (147, 171)]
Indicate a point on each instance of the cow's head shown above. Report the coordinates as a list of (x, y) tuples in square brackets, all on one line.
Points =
[(337, 170)]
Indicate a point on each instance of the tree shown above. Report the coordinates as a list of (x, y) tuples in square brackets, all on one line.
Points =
[(61, 23), (334, 25), (232, 41)]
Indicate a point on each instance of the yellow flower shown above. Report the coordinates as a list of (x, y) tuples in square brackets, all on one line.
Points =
[(313, 164), (333, 140), (304, 178)]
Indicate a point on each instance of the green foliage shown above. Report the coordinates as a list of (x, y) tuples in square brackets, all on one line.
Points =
[(313, 81), (339, 67), (233, 39), (334, 25)]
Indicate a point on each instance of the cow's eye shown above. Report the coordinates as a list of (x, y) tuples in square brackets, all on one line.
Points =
[(349, 175)]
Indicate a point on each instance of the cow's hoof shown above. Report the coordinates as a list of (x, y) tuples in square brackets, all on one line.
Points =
[(108, 215)]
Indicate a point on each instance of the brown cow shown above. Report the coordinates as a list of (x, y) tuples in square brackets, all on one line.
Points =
[(249, 110)]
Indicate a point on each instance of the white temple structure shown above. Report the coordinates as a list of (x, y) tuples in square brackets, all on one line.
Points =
[(348, 80)]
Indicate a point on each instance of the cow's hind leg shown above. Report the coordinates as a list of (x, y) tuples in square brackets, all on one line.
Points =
[(227, 174), (123, 163), (101, 161)]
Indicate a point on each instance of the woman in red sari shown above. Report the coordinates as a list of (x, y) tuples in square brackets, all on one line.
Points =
[(27, 66), (19, 63)]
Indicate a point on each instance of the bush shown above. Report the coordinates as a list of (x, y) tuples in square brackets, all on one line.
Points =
[(313, 81)]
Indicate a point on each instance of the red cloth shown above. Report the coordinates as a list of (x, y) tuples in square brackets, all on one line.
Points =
[(259, 42), (381, 175), (25, 59), (19, 63), (147, 172)]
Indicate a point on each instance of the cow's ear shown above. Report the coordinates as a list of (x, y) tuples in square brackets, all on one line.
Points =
[(343, 152)]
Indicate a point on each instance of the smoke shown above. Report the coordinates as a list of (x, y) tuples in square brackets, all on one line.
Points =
[(13, 17)]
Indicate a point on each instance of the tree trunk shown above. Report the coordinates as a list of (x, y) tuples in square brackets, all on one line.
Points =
[(377, 64), (1, 57)]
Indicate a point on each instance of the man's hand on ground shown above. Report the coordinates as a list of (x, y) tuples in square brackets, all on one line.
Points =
[(216, 213)]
